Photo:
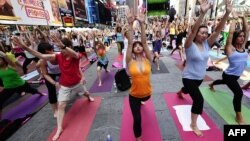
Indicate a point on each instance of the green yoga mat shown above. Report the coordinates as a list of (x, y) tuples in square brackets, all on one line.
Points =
[(222, 103)]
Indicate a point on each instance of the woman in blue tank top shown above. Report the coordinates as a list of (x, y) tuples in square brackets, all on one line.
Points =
[(119, 39), (197, 46), (237, 58)]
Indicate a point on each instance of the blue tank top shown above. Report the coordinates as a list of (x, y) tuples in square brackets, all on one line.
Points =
[(119, 37), (196, 62), (106, 39), (237, 63)]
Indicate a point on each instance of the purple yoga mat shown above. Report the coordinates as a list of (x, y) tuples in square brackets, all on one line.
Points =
[(214, 134), (150, 128), (107, 82), (246, 93), (26, 107)]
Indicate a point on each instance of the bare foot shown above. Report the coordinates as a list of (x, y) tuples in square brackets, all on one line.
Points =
[(57, 135), (240, 121), (180, 94), (55, 114), (196, 130), (100, 84), (91, 99), (211, 87), (138, 139), (142, 102), (43, 94), (23, 93)]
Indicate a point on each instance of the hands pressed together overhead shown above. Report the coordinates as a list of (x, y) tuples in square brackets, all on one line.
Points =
[(131, 17)]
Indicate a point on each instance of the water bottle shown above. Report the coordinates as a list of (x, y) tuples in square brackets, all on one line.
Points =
[(115, 87), (109, 137)]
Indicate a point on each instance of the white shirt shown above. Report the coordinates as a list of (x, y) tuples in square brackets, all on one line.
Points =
[(226, 28), (75, 42)]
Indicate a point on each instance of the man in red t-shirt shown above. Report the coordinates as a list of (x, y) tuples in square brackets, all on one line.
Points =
[(71, 81)]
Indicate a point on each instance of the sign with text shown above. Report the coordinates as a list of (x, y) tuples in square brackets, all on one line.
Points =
[(79, 9), (66, 13), (30, 12), (236, 132)]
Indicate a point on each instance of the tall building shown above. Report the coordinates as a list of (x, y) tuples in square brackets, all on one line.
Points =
[(121, 13)]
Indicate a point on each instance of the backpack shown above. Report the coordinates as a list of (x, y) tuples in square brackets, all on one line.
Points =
[(122, 80)]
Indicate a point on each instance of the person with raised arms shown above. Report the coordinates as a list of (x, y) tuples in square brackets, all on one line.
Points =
[(197, 46), (70, 84)]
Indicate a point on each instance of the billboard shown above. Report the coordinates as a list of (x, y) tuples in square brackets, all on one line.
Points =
[(30, 12), (79, 9), (66, 12)]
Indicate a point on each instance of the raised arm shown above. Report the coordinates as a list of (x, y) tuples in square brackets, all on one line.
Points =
[(141, 19), (32, 51), (229, 47), (11, 63), (245, 27), (65, 47), (221, 25), (204, 8), (43, 35), (130, 18)]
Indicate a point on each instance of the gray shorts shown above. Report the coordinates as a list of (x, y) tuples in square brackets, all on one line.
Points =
[(69, 93)]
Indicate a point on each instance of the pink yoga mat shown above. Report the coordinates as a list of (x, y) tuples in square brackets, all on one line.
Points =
[(117, 65), (150, 129), (214, 134), (246, 93), (78, 120), (118, 58), (177, 58)]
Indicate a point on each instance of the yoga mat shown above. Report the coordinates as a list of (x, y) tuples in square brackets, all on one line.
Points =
[(150, 129), (84, 65), (245, 76), (163, 68), (206, 78), (15, 103), (246, 93), (176, 57), (222, 103), (107, 82), (117, 65), (184, 117), (214, 134), (30, 75), (78, 120), (118, 58), (26, 107)]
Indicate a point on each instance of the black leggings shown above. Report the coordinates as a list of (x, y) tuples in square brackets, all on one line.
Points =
[(192, 87), (7, 93), (26, 62), (135, 106), (52, 89), (233, 85), (121, 45)]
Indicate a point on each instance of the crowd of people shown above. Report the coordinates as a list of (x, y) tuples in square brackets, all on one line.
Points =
[(57, 54)]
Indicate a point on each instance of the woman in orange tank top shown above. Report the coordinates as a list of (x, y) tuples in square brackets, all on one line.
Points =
[(138, 58)]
